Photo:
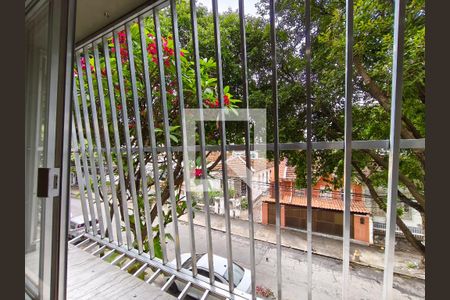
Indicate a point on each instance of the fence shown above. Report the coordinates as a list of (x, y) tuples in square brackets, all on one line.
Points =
[(416, 231)]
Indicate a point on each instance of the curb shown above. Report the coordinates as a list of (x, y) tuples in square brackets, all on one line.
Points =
[(401, 274)]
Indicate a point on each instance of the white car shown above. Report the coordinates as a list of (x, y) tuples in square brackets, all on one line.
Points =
[(241, 276), (77, 225)]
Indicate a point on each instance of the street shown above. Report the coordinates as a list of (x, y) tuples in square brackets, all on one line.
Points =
[(365, 283)]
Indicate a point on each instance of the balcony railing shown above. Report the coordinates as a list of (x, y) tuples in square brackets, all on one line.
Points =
[(101, 148)]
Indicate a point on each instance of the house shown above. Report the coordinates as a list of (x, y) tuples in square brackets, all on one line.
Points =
[(327, 207), (236, 169)]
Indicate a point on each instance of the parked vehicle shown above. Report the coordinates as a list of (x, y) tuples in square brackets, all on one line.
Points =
[(77, 226), (241, 275)]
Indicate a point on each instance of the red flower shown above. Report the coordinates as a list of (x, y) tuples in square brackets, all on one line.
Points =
[(119, 107), (151, 48), (104, 72), (207, 102), (216, 103), (211, 104), (83, 63), (182, 53), (198, 173), (123, 54), (170, 91), (167, 62), (226, 100), (154, 59)]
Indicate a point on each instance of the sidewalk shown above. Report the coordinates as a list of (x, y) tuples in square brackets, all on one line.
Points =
[(372, 256)]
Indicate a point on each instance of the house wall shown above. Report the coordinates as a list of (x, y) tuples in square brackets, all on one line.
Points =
[(324, 221), (265, 213), (361, 227), (260, 184)]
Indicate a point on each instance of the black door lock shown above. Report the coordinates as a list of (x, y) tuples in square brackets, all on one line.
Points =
[(48, 182)]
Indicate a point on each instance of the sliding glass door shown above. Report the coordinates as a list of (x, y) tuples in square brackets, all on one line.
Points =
[(48, 53)]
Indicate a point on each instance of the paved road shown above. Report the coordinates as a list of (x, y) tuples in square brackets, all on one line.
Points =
[(366, 283)]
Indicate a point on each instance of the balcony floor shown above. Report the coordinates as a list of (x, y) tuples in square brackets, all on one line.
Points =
[(89, 277)]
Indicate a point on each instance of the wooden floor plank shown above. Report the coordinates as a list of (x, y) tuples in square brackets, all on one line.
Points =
[(89, 277)]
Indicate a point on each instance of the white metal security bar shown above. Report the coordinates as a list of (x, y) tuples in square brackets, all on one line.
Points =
[(90, 158)]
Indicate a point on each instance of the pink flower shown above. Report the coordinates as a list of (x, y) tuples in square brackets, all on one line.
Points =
[(122, 37), (83, 63), (198, 173)]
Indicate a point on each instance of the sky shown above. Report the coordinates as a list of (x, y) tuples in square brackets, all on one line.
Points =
[(249, 5)]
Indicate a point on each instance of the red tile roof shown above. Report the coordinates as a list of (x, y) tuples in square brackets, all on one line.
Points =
[(237, 165), (328, 203)]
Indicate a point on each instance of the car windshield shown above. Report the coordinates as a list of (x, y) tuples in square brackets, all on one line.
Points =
[(188, 263), (238, 273)]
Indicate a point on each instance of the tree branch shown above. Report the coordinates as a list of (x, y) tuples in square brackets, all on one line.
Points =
[(420, 198), (410, 202), (406, 231), (408, 131), (178, 180)]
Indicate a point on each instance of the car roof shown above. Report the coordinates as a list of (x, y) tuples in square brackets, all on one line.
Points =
[(220, 263), (78, 219)]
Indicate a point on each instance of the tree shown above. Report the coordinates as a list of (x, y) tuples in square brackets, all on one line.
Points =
[(373, 38), (133, 118)]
